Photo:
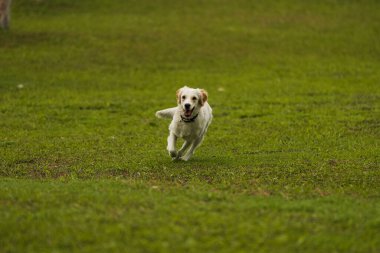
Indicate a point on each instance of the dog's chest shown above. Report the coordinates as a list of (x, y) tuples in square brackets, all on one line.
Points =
[(184, 129)]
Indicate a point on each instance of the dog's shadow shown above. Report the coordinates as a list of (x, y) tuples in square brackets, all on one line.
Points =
[(203, 161)]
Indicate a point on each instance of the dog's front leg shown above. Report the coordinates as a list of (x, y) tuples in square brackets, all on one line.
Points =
[(192, 148), (184, 147), (171, 145)]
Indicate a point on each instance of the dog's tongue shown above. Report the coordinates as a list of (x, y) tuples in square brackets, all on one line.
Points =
[(188, 113)]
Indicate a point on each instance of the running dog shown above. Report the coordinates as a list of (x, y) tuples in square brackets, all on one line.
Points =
[(190, 120)]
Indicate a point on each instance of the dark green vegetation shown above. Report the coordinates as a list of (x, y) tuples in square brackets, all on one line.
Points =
[(290, 163)]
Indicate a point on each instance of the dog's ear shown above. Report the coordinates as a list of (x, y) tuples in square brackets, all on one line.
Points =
[(204, 96), (178, 94)]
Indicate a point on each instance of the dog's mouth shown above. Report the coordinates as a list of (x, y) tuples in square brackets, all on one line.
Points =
[(188, 112)]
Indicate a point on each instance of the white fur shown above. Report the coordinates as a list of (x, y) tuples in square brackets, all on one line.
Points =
[(192, 132)]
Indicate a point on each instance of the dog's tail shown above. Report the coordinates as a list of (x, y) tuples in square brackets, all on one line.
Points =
[(166, 114)]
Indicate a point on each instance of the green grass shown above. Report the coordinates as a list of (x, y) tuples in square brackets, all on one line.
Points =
[(289, 164)]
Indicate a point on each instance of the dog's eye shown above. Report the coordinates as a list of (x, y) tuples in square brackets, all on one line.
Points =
[(194, 98), (183, 97)]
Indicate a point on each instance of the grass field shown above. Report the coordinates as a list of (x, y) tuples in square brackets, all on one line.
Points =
[(290, 162)]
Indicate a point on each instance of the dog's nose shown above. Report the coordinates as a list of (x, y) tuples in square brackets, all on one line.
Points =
[(187, 106)]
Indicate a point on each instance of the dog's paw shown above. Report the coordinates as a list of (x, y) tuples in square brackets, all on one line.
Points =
[(173, 154), (184, 158)]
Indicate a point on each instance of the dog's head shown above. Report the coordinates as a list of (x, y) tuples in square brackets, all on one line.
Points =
[(191, 100)]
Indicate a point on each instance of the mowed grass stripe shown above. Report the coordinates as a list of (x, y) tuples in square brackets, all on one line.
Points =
[(132, 216)]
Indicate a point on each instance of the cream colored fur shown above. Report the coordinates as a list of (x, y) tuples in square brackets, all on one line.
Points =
[(189, 123)]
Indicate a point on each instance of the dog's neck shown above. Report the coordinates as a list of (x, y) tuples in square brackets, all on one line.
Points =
[(188, 120)]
